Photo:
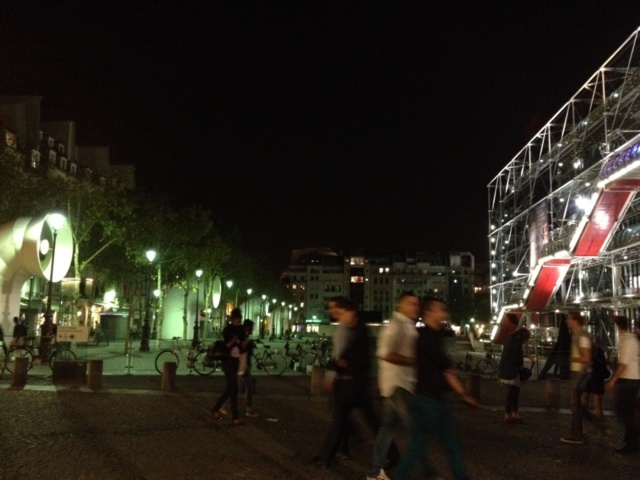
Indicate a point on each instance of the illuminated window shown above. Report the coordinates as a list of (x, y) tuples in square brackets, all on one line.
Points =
[(35, 159), (52, 157), (357, 279)]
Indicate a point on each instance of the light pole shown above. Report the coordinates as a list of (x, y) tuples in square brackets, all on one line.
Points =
[(229, 284), (146, 329), (273, 317), (55, 222), (196, 323), (264, 299), (247, 313)]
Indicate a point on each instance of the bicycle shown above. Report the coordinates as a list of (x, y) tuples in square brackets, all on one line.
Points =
[(59, 351), (272, 362), (196, 358), (318, 358), (488, 366)]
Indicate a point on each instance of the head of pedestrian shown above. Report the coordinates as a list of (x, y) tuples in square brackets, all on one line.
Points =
[(333, 301), (575, 320), (408, 305), (248, 326), (434, 312), (345, 311), (236, 316), (621, 322)]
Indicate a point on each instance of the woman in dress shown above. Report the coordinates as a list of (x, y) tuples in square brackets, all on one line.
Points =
[(511, 363)]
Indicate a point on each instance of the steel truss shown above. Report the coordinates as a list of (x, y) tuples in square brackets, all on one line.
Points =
[(556, 173)]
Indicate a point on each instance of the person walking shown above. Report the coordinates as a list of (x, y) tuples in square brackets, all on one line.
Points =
[(511, 363), (19, 332), (234, 337), (625, 382), (396, 380), (431, 414), (558, 359), (581, 345), (347, 377)]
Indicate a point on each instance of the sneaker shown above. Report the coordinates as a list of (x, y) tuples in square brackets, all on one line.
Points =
[(222, 411), (572, 440), (252, 413), (380, 476)]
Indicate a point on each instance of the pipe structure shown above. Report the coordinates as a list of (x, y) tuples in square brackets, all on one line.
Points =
[(25, 251)]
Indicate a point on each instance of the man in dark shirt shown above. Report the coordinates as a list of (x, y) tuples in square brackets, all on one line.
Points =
[(430, 411)]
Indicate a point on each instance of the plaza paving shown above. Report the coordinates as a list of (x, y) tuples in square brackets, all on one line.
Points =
[(131, 429)]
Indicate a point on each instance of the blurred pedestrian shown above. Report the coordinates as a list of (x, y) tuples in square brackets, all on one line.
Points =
[(4, 345), (233, 336), (246, 382), (581, 345), (19, 332), (431, 414), (511, 364), (396, 380), (558, 358), (595, 385), (625, 381), (348, 377)]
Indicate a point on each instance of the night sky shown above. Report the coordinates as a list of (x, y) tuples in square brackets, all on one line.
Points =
[(340, 124)]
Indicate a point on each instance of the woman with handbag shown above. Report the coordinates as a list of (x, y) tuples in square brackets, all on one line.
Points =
[(509, 372)]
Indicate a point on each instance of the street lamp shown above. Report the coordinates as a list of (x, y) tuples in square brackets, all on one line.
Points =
[(146, 329), (196, 323), (55, 222), (264, 299), (273, 318), (229, 284), (247, 313)]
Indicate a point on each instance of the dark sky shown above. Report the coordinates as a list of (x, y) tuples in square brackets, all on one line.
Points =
[(341, 124)]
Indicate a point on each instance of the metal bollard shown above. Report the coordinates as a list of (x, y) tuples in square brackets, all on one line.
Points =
[(169, 370), (94, 380), (317, 378), (20, 369), (473, 385)]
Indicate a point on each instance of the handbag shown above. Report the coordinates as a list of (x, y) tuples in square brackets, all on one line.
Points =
[(525, 373)]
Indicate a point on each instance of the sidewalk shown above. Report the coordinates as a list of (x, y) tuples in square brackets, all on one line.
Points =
[(132, 430)]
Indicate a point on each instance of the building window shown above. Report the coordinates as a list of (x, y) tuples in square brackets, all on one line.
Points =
[(357, 279), (50, 141), (63, 163), (61, 149), (52, 157), (73, 168)]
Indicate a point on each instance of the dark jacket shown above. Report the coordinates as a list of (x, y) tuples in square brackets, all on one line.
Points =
[(357, 354), (512, 358)]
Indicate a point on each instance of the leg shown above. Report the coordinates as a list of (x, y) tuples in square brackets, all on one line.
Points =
[(625, 406), (446, 431), (339, 422)]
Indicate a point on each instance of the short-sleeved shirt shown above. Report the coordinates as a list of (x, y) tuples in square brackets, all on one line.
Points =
[(629, 355), (580, 339), (398, 336)]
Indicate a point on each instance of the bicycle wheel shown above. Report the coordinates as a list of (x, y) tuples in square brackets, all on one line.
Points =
[(17, 352), (164, 356), (64, 355), (203, 366), (306, 364), (274, 363), (486, 368)]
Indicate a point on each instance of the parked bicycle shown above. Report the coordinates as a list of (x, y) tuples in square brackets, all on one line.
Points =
[(272, 362), (318, 357), (488, 366), (196, 358), (59, 351)]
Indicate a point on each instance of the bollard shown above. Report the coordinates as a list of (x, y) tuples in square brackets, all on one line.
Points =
[(94, 381), (169, 370), (472, 385), (317, 379), (20, 369)]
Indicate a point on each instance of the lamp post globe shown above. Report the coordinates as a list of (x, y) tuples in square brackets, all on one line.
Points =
[(146, 327), (196, 322)]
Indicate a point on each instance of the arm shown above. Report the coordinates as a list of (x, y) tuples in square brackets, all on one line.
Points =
[(397, 359), (386, 347), (452, 380)]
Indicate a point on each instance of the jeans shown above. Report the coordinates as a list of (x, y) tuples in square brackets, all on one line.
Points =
[(395, 417), (625, 407), (247, 383), (230, 369), (579, 411), (431, 417)]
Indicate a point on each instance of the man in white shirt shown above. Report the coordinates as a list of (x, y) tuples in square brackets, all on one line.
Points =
[(626, 381), (396, 377)]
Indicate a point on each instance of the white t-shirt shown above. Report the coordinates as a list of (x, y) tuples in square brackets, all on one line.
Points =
[(579, 340), (398, 336), (629, 355)]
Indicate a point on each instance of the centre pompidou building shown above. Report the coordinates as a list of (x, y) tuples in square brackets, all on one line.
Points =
[(564, 217)]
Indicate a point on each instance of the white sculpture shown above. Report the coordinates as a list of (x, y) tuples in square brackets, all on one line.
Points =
[(27, 249)]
